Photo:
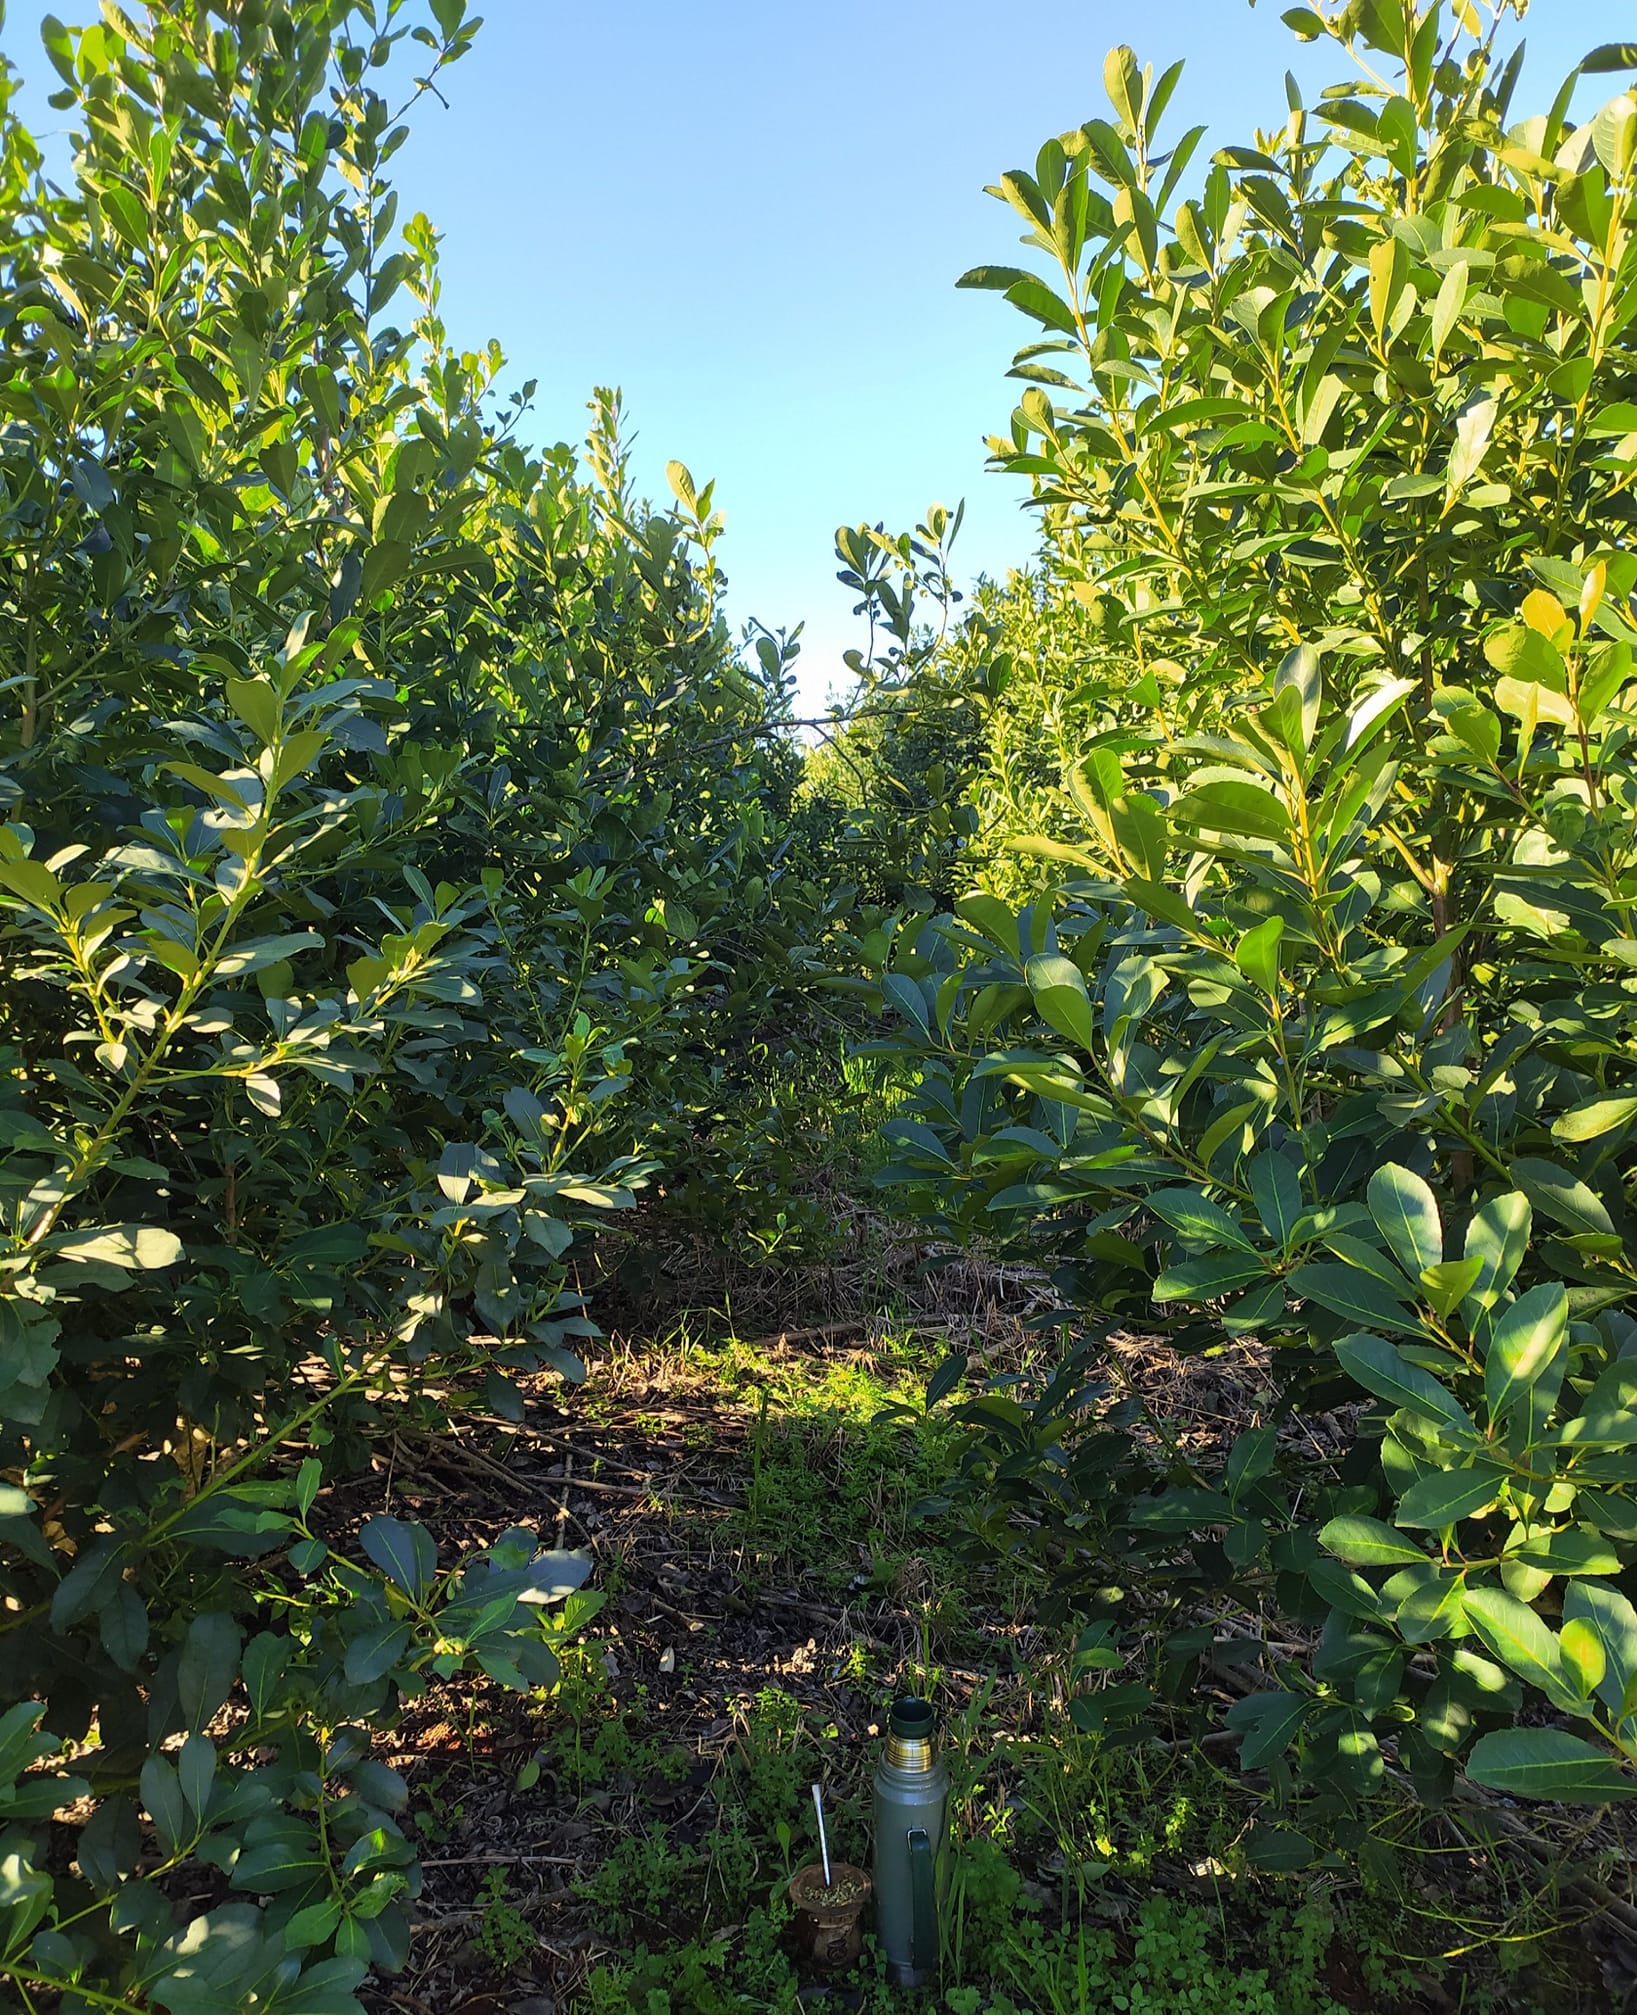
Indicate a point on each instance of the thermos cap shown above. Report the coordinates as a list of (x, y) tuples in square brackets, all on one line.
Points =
[(912, 1720)]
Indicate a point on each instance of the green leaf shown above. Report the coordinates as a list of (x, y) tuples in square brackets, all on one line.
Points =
[(375, 1651), (1257, 954), (1523, 1341), (167, 1808), (1548, 1763), (1280, 1850), (1520, 1641), (1562, 1196), (995, 278), (1446, 1497), (1268, 1724), (213, 786), (1432, 1609), (256, 703), (406, 1554), (385, 564), (1583, 1654), (1366, 1542), (503, 1397), (19, 1744), (1206, 1279), (196, 1772), (1299, 669), (1608, 1613), (1228, 1125), (995, 919), (1473, 430), (1518, 652), (313, 1924), (1277, 1190), (906, 995), (123, 1625), (1351, 1292), (1498, 1237), (233, 1521), (1234, 808), (1179, 1509), (1406, 1212), (1575, 1549), (90, 1583), (1480, 730), (1141, 831), (1382, 1368), (1448, 1284), (259, 953), (945, 1379), (265, 1657), (1389, 275), (33, 881), (288, 1861), (1608, 1414), (1609, 56), (1446, 310), (208, 1667), (1595, 1118), (1165, 905), (1198, 1218), (1059, 990), (132, 1246), (1250, 1459), (1035, 298), (1375, 710), (1348, 1591)]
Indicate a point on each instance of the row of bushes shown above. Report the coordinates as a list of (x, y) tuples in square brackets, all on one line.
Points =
[(1307, 1012), (401, 868), (403, 874)]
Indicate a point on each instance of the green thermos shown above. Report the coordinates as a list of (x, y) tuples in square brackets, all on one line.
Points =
[(911, 1801)]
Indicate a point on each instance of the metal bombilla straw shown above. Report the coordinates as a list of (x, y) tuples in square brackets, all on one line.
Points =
[(824, 1844), (829, 1926)]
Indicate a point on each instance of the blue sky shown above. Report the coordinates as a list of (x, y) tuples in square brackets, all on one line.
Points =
[(751, 217)]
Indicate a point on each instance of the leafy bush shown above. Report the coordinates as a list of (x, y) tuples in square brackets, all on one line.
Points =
[(1329, 1037), (937, 770), (394, 847)]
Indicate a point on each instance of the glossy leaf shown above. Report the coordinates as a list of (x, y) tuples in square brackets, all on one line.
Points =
[(1059, 990), (1445, 1497), (1406, 1212), (1548, 1763), (1383, 1369), (1524, 1340)]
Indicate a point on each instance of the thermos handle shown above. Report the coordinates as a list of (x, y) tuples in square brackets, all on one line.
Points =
[(925, 1916)]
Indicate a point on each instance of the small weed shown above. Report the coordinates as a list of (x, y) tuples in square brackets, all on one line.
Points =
[(647, 1881), (834, 1476), (438, 1814), (504, 1935), (1168, 1970), (772, 1764)]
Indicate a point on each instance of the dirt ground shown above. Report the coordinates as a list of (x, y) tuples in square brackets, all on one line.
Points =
[(650, 1466)]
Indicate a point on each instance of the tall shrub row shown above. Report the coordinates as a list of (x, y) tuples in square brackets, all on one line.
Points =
[(1319, 1030), (398, 864)]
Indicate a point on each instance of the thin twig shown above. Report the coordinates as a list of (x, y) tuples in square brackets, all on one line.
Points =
[(503, 1861)]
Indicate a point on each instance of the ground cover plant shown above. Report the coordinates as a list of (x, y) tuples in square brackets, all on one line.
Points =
[(1112, 1179)]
